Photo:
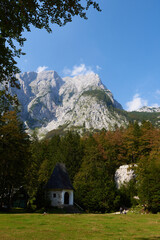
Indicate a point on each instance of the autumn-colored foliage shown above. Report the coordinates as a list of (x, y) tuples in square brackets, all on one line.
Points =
[(91, 162)]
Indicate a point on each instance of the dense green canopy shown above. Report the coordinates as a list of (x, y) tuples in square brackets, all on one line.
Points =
[(14, 156), (91, 162)]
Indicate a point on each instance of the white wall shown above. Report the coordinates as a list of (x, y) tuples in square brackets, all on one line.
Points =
[(55, 201), (57, 197)]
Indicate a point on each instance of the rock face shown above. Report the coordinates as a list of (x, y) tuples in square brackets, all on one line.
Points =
[(123, 175), (48, 102), (149, 109), (39, 97)]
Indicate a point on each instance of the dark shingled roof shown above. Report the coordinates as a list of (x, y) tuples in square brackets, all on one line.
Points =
[(59, 178)]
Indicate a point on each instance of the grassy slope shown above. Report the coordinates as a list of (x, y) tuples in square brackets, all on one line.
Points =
[(75, 226), (144, 116)]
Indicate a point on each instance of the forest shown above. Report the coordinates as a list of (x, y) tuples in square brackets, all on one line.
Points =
[(91, 160)]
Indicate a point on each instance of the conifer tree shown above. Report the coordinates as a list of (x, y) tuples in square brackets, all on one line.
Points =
[(148, 182), (72, 151), (94, 183), (14, 155), (132, 142)]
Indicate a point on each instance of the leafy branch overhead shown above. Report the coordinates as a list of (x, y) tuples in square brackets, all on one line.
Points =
[(18, 16)]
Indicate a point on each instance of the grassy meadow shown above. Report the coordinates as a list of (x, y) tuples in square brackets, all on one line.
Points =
[(79, 226)]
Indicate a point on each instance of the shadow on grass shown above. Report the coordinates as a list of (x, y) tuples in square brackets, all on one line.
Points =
[(14, 211), (52, 210)]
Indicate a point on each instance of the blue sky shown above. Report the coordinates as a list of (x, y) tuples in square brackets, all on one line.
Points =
[(121, 44)]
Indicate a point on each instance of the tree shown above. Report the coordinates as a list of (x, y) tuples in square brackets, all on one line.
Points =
[(148, 170), (94, 183), (44, 156), (14, 155), (127, 193), (72, 151), (132, 142), (149, 138), (17, 16), (111, 144), (148, 180)]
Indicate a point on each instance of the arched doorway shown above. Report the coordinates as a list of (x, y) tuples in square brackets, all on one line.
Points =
[(66, 198)]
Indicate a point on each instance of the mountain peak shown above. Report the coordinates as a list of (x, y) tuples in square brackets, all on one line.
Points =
[(48, 101), (87, 81)]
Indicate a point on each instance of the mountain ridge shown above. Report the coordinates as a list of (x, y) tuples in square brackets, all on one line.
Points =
[(148, 109), (49, 102)]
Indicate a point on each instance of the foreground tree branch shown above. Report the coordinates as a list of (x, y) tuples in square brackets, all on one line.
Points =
[(16, 16)]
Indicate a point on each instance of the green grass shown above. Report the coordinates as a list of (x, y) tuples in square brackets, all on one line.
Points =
[(76, 226)]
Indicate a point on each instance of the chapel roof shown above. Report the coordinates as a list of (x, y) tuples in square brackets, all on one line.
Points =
[(59, 178)]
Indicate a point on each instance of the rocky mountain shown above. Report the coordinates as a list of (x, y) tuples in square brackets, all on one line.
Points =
[(49, 102), (149, 109)]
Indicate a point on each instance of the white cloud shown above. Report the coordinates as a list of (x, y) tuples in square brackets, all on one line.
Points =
[(67, 71), (155, 105), (82, 69), (98, 68), (41, 69), (136, 103), (158, 92)]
